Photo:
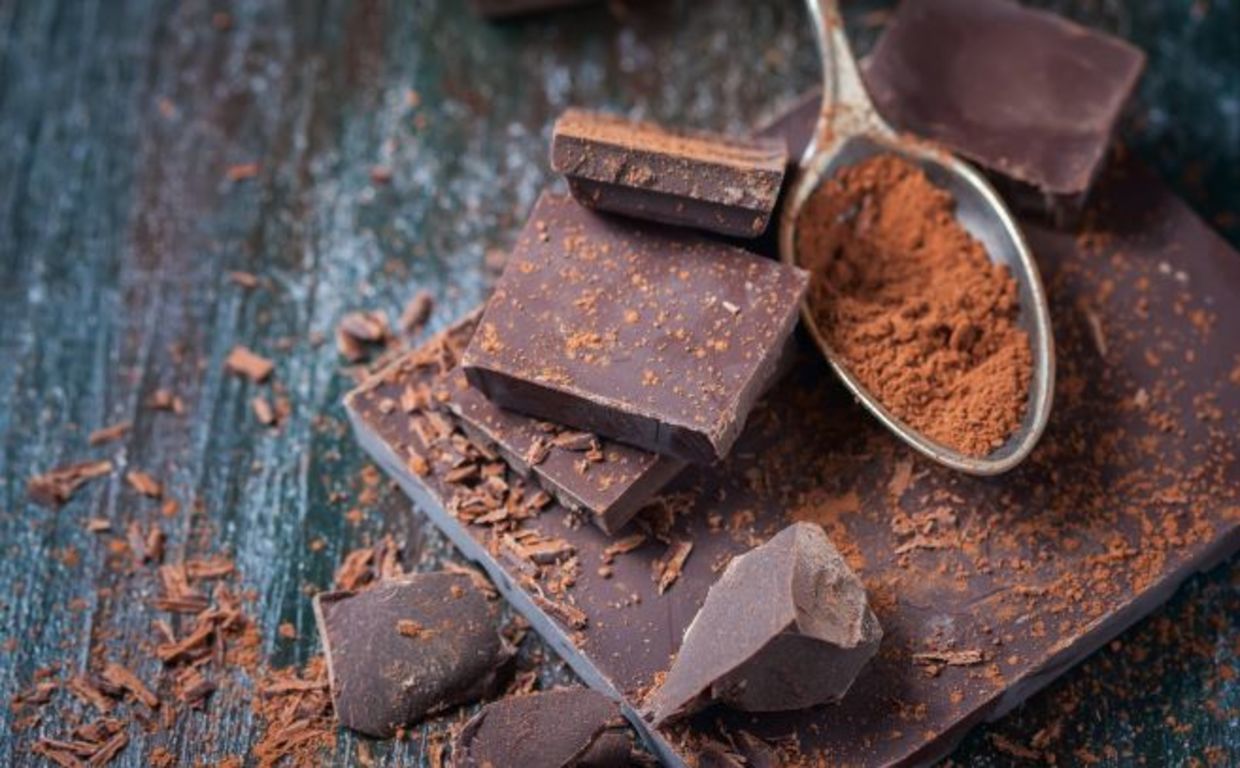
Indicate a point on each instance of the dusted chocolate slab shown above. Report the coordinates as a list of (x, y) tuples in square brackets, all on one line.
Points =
[(609, 480), (986, 589), (645, 334), (690, 178), (1023, 92)]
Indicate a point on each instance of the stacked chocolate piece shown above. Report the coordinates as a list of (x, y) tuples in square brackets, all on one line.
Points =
[(615, 350), (597, 439)]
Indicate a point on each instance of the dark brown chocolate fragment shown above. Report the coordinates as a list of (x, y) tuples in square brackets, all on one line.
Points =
[(641, 333), (502, 9), (383, 679), (1027, 94), (612, 484), (787, 626), (563, 728), (689, 178)]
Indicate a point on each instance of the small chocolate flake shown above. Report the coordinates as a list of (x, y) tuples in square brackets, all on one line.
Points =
[(381, 174), (144, 484), (164, 400), (574, 441), (367, 327), (109, 433), (571, 615), (241, 172), (623, 546), (58, 486), (966, 658), (263, 411), (244, 362), (669, 568), (246, 280), (416, 313), (122, 677)]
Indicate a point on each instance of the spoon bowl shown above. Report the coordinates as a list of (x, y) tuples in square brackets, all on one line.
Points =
[(849, 131)]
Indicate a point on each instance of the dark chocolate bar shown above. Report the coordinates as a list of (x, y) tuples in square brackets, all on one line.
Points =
[(645, 334), (1027, 94), (987, 589), (787, 626), (609, 480), (689, 178), (562, 728), (408, 647)]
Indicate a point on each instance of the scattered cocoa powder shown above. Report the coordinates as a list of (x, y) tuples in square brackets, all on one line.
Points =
[(913, 306)]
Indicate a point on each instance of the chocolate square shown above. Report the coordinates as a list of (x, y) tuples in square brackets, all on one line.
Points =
[(1023, 92), (645, 334)]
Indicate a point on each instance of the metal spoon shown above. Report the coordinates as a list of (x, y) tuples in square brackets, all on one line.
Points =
[(849, 131)]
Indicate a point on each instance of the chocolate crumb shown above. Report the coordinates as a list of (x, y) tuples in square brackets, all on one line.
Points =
[(244, 362), (109, 433)]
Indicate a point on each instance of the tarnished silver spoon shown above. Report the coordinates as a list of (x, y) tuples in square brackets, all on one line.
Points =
[(849, 130)]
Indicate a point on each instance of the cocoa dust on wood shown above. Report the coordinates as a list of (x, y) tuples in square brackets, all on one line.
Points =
[(911, 303)]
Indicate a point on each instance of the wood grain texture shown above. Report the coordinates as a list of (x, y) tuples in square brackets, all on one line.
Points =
[(118, 123)]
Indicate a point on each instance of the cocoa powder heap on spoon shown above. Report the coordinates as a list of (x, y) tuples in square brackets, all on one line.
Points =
[(913, 305)]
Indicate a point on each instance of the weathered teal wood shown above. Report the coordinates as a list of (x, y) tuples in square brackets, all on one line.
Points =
[(118, 121)]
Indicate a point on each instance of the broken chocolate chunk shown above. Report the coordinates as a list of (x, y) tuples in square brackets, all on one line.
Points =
[(688, 178), (787, 626), (563, 728), (612, 489), (1027, 94), (645, 334), (381, 678)]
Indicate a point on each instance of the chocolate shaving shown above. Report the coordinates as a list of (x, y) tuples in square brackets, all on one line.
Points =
[(246, 280), (88, 692), (416, 313), (244, 362), (568, 613), (144, 484), (669, 567), (122, 677), (263, 411), (241, 172), (58, 486), (109, 433), (164, 400)]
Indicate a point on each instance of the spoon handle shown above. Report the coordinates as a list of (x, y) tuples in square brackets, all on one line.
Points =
[(846, 107)]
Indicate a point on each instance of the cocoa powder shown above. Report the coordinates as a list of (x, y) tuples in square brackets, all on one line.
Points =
[(911, 303)]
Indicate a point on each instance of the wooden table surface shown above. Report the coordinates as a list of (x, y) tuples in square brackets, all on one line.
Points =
[(118, 226)]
